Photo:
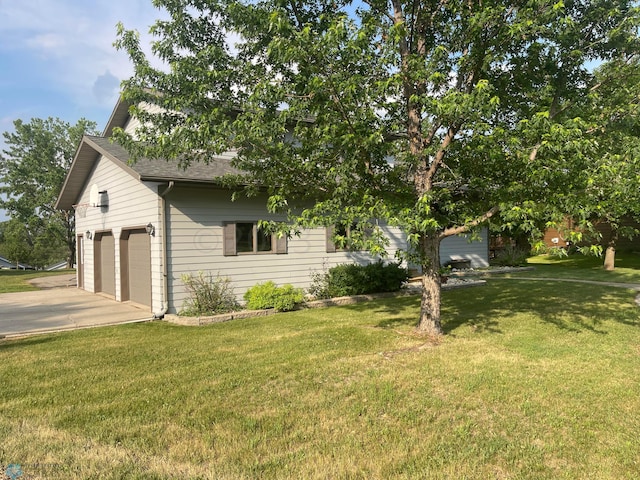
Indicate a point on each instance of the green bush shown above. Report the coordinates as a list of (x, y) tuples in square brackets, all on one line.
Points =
[(353, 279), (511, 257), (269, 295), (208, 295)]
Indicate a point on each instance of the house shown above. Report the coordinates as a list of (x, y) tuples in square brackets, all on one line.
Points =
[(61, 265), (558, 237), (141, 226), (6, 264)]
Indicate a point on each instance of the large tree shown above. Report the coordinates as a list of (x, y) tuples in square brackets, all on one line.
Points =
[(428, 114), (33, 165), (612, 192)]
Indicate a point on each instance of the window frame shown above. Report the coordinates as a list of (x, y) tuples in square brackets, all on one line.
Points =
[(331, 246), (279, 246)]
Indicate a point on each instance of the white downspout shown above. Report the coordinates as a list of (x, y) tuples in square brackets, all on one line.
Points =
[(165, 272)]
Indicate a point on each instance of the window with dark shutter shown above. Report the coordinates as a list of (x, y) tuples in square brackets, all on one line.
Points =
[(242, 238)]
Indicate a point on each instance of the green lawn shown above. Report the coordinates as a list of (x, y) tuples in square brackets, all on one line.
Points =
[(16, 280), (532, 381), (585, 268)]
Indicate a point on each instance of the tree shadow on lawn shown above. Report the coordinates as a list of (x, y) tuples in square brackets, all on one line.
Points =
[(569, 307), (10, 343)]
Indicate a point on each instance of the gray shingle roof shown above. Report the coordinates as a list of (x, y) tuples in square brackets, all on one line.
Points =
[(159, 170)]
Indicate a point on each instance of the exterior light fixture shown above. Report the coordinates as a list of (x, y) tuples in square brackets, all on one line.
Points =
[(151, 230)]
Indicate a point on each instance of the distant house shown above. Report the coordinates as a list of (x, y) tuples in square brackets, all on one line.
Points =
[(6, 264), (61, 265), (558, 237), (141, 226)]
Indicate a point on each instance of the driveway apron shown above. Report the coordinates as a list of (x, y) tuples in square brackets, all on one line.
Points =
[(61, 308)]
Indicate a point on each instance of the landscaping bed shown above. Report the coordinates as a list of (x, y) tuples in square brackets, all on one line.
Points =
[(412, 288)]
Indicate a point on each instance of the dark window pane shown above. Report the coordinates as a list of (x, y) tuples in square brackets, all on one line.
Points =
[(341, 230), (264, 241), (244, 237)]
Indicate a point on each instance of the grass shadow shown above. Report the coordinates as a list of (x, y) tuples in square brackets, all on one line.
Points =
[(10, 343), (568, 307), (573, 308)]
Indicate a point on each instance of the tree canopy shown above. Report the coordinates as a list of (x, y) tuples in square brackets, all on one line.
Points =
[(612, 192), (33, 167), (429, 115)]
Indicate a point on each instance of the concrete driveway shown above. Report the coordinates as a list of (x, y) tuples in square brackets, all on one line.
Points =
[(61, 306)]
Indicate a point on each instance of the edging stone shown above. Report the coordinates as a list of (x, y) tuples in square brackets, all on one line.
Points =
[(330, 302)]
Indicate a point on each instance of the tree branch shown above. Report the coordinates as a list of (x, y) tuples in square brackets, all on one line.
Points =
[(439, 157), (449, 232)]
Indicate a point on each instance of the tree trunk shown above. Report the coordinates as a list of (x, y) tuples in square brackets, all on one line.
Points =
[(430, 306), (70, 227), (523, 242), (71, 258), (610, 252), (610, 257)]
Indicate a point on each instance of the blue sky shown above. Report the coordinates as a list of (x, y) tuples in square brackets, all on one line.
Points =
[(57, 57)]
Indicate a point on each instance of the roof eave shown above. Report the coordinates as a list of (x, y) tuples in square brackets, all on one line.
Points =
[(83, 163), (118, 117)]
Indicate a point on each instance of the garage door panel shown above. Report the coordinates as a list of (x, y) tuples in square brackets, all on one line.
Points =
[(139, 256), (105, 263)]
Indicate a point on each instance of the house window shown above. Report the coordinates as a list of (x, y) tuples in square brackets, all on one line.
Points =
[(340, 230), (242, 238)]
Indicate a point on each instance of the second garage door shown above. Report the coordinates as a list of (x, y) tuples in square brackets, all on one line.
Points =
[(135, 253)]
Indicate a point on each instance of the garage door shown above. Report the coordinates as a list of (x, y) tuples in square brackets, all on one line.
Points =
[(135, 250), (105, 253)]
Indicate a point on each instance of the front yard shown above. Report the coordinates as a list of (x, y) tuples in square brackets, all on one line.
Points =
[(533, 380), (18, 280)]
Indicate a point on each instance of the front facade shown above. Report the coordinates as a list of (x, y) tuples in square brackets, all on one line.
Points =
[(141, 227)]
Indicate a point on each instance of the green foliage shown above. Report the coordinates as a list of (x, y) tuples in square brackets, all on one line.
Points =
[(511, 256), (208, 295), (353, 279), (32, 170), (483, 106), (269, 295)]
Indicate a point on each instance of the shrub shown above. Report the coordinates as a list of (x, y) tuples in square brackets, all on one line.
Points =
[(353, 279), (208, 295), (511, 257), (269, 295)]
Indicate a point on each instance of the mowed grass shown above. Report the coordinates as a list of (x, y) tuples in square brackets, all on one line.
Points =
[(18, 280), (533, 380), (583, 267)]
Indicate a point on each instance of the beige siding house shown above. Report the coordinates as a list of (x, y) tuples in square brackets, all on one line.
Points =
[(140, 227)]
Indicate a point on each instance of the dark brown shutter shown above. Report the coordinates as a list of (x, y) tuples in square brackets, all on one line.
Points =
[(331, 246), (229, 239)]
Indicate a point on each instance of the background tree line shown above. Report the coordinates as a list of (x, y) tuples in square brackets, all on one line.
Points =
[(33, 164)]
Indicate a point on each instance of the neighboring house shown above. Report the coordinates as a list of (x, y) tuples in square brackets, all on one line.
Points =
[(6, 264), (556, 237), (140, 227), (61, 265)]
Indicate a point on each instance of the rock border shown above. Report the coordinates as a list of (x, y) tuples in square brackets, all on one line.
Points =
[(410, 289)]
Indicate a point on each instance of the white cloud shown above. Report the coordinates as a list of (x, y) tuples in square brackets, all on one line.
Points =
[(50, 42), (72, 42)]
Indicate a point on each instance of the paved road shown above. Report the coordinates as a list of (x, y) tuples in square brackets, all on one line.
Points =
[(61, 306)]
